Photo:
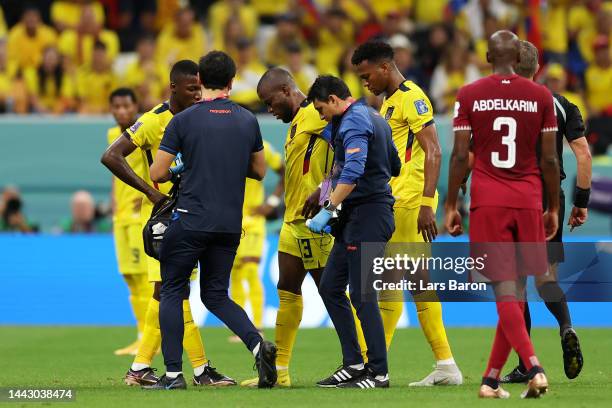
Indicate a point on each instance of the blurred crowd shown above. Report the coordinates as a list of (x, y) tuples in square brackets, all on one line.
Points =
[(67, 56)]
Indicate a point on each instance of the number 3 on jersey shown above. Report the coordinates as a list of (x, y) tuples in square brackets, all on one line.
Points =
[(508, 140)]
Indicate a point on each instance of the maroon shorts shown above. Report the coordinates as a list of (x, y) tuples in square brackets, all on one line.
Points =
[(511, 241)]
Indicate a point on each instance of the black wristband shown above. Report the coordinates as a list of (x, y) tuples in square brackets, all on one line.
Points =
[(581, 197)]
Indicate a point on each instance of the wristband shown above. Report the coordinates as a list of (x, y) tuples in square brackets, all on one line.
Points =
[(427, 201), (273, 201), (581, 197)]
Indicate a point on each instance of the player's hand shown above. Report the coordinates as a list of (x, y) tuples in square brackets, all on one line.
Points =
[(577, 217), (311, 205), (320, 220), (155, 196), (265, 209), (453, 223), (551, 224), (426, 223)]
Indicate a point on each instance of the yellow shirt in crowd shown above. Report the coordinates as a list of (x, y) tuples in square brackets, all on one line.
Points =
[(69, 13), (25, 51), (171, 48), (94, 89), (598, 86), (69, 46)]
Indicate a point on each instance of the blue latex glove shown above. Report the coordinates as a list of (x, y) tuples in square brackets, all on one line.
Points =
[(319, 221), (179, 168)]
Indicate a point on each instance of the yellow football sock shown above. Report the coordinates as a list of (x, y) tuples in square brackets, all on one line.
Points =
[(237, 291), (192, 339), (430, 317), (151, 336), (390, 312), (288, 320), (256, 292), (360, 337)]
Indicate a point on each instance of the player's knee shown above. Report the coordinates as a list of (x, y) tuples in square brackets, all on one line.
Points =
[(289, 285), (213, 299)]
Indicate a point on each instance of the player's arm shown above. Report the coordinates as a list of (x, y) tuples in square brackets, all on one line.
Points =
[(257, 166), (549, 163), (160, 169), (458, 168), (574, 133), (114, 159), (426, 223)]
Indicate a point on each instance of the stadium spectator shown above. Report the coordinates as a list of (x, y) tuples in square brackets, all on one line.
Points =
[(67, 15), (491, 25), (95, 82), (472, 16), (13, 219), (554, 34), (599, 79), (269, 10), (83, 217), (50, 88), (5, 80), (78, 44), (404, 60), (602, 27), (2, 24), (248, 72), (147, 75), (451, 74), (182, 39), (226, 17), (555, 79), (287, 32), (303, 73), (334, 36), (232, 33), (428, 12), (347, 73), (28, 39), (431, 48)]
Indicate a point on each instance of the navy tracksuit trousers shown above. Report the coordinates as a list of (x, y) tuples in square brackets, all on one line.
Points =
[(349, 263)]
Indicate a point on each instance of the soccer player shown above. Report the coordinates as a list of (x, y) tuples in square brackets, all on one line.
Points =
[(409, 113), (507, 116), (365, 158), (571, 127), (308, 159), (127, 229), (246, 265), (146, 134)]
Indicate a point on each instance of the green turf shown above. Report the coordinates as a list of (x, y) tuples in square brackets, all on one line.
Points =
[(81, 358)]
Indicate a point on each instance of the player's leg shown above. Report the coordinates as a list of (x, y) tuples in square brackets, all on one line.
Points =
[(129, 251), (216, 261), (237, 290), (428, 306), (250, 270)]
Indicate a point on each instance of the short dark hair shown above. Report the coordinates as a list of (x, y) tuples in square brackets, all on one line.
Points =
[(183, 68), (216, 70), (325, 86), (373, 51), (528, 61), (123, 92)]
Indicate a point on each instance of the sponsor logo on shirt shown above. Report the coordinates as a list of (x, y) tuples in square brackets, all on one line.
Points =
[(220, 111), (421, 107)]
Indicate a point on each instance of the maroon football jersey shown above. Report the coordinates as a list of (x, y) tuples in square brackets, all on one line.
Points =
[(506, 115)]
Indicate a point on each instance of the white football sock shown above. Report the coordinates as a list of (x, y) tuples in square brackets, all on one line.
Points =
[(139, 366), (256, 349), (359, 366), (197, 371), (173, 374), (448, 361)]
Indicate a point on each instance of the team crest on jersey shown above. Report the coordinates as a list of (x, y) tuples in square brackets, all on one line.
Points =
[(135, 126), (421, 107), (389, 112)]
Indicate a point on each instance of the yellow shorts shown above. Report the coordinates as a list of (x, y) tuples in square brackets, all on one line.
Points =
[(129, 249), (406, 223), (297, 240), (252, 241)]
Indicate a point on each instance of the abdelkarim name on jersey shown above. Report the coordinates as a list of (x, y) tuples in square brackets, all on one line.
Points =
[(308, 159), (506, 115), (408, 111)]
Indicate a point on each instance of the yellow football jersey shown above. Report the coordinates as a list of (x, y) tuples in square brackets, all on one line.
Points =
[(127, 199), (308, 159), (147, 133), (408, 111), (254, 190)]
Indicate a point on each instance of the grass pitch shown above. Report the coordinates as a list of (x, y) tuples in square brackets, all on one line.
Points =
[(81, 358)]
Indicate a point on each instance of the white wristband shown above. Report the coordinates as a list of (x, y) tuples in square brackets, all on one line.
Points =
[(273, 201)]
